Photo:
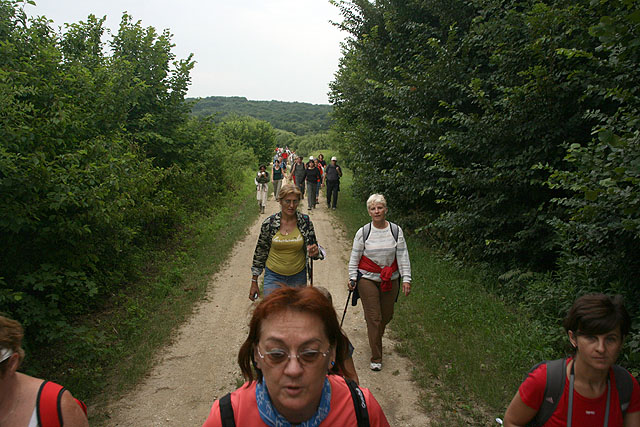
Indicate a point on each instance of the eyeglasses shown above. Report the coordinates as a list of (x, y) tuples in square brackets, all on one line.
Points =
[(290, 202), (305, 357)]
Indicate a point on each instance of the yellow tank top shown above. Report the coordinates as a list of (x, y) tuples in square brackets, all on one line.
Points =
[(286, 256)]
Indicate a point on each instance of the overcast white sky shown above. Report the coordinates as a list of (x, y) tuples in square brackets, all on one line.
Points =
[(284, 50)]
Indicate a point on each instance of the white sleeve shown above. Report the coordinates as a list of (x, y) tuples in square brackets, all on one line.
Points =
[(356, 253), (402, 255)]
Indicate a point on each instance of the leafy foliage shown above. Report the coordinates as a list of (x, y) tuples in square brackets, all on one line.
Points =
[(297, 117), (505, 132), (99, 159)]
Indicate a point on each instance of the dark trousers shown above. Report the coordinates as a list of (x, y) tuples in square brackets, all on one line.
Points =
[(300, 185), (311, 194), (332, 193)]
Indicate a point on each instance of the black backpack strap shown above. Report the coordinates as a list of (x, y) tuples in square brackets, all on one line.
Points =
[(359, 403), (366, 230), (395, 230), (624, 384), (556, 377), (226, 411)]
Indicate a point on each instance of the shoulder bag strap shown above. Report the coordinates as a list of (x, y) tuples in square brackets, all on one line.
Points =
[(395, 231), (226, 411), (359, 403), (366, 230), (624, 386), (556, 376), (48, 404)]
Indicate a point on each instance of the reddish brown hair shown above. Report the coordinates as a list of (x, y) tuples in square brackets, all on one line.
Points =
[(305, 300), (11, 334)]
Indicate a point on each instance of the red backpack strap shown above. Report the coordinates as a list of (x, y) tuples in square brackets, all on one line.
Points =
[(48, 404)]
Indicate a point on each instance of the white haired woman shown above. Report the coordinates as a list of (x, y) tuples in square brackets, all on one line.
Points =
[(379, 260)]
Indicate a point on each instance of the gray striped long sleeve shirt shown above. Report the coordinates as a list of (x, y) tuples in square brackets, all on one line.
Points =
[(382, 249)]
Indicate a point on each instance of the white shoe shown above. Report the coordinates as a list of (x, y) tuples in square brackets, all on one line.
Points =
[(376, 366)]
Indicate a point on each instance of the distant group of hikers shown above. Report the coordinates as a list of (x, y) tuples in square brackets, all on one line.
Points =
[(308, 177), (298, 362)]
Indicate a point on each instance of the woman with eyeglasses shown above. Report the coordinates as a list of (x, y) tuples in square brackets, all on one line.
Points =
[(27, 401), (587, 389), (286, 239), (294, 340)]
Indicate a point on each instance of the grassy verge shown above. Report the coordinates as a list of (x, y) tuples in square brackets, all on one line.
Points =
[(470, 349), (141, 317)]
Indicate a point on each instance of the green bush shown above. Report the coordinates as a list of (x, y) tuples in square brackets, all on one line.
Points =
[(505, 133), (99, 161)]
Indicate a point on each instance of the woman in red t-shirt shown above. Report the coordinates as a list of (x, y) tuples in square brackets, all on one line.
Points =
[(596, 326), (294, 339)]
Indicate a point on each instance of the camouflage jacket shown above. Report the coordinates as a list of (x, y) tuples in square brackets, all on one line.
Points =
[(269, 228)]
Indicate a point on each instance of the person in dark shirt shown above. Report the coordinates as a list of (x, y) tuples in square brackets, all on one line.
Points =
[(332, 175), (312, 177)]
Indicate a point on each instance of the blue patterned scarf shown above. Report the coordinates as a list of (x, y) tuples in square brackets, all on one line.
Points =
[(272, 418)]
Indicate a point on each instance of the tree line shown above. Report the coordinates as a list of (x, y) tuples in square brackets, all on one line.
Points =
[(506, 133), (99, 160), (300, 118)]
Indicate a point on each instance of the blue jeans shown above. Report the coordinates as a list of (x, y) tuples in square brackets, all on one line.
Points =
[(273, 280)]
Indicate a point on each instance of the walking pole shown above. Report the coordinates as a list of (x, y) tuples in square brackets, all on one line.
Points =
[(345, 307)]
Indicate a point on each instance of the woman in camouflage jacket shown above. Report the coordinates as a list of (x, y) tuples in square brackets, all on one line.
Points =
[(286, 240)]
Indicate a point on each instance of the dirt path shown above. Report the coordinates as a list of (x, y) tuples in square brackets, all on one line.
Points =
[(200, 365)]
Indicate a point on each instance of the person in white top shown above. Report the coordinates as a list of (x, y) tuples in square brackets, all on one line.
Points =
[(379, 261)]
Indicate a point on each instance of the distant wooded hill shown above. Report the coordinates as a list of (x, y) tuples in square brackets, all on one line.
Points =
[(297, 117)]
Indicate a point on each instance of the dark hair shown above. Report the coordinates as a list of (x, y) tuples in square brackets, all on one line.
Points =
[(597, 314), (305, 300)]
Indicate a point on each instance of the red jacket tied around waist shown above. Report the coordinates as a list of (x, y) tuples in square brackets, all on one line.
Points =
[(385, 272)]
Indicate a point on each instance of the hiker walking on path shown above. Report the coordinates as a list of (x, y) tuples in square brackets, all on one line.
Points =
[(294, 339), (321, 160), (298, 174), (276, 178), (312, 177), (320, 180), (332, 175), (379, 259), (286, 239), (587, 389), (28, 401), (262, 187)]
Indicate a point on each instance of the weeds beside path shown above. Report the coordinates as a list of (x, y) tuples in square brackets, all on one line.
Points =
[(470, 350), (201, 363)]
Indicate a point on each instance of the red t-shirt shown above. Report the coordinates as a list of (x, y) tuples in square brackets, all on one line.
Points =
[(586, 412), (342, 413)]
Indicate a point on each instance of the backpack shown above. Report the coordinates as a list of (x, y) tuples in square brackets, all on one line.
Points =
[(556, 377), (48, 404), (359, 404), (366, 230)]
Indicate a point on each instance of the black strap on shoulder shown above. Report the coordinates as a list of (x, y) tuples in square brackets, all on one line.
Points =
[(624, 384), (395, 231), (226, 411), (366, 230), (556, 377), (359, 403)]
